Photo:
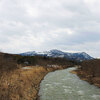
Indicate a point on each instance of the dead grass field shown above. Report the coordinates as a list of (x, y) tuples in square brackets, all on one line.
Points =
[(22, 84)]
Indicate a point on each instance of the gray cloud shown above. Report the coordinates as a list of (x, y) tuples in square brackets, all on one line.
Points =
[(69, 25)]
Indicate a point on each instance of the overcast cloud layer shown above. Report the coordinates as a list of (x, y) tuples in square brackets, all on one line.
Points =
[(68, 25)]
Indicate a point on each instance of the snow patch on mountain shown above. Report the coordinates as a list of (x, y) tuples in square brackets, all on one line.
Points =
[(57, 53)]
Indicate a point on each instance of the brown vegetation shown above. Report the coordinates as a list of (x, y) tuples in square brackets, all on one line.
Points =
[(90, 71), (22, 83), (7, 62), (42, 61)]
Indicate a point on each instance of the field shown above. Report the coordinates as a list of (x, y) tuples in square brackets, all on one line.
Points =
[(22, 84), (20, 81)]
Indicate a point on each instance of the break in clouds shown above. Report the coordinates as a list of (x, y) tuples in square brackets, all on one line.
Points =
[(68, 25)]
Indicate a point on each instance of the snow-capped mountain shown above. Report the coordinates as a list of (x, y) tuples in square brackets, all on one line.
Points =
[(57, 53), (31, 53)]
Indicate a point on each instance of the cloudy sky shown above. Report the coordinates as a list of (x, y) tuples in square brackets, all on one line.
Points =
[(68, 25)]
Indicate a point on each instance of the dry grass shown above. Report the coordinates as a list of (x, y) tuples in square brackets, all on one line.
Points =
[(17, 83), (88, 77), (22, 84)]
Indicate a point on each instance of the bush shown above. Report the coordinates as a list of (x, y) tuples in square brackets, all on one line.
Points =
[(92, 67)]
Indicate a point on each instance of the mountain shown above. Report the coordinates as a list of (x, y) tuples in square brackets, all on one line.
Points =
[(31, 53), (57, 53)]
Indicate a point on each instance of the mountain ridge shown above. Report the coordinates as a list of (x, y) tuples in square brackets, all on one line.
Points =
[(58, 53)]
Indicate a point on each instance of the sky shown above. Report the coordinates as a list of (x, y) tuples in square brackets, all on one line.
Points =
[(40, 25)]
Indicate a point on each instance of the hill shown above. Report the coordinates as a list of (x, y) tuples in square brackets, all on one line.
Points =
[(90, 71)]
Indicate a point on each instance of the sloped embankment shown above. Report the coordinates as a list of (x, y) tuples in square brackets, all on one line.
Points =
[(22, 84), (90, 71)]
